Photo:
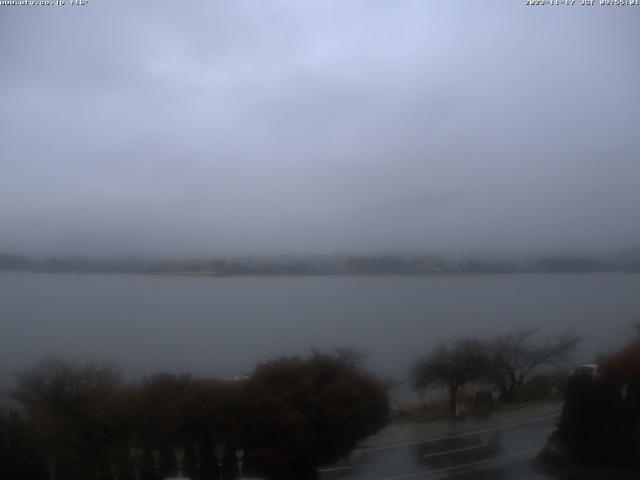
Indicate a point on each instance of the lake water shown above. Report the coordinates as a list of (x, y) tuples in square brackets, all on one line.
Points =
[(223, 326)]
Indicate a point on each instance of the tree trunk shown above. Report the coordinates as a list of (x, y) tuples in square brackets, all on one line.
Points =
[(510, 392), (507, 396), (453, 399)]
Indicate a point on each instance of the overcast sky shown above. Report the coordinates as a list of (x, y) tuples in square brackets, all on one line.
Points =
[(241, 127)]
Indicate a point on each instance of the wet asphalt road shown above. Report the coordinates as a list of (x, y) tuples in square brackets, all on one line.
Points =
[(501, 453)]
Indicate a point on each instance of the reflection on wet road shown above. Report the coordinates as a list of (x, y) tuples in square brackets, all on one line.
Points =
[(504, 452)]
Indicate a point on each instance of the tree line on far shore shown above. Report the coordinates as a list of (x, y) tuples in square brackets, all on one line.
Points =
[(319, 265)]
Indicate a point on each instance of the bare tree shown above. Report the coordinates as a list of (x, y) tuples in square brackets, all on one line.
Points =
[(517, 354), (352, 356), (453, 367)]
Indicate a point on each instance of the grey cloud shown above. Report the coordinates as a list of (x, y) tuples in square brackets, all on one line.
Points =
[(275, 127)]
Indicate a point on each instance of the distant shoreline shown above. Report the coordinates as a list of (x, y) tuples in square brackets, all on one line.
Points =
[(264, 275), (431, 265)]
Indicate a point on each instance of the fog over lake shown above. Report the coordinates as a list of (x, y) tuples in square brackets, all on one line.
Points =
[(479, 130), (288, 127), (222, 326)]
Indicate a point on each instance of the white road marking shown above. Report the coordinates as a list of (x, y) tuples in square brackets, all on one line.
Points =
[(458, 467), (458, 435), (446, 452), (334, 469)]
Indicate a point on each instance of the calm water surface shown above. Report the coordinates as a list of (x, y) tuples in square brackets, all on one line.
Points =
[(222, 326)]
